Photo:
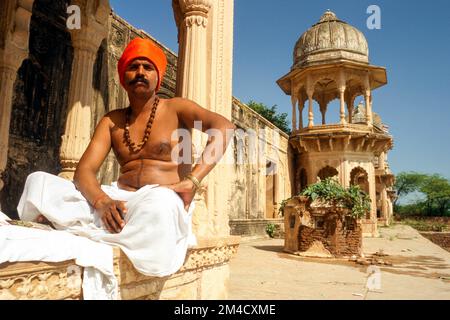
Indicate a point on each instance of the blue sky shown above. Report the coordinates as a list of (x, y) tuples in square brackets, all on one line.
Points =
[(413, 44)]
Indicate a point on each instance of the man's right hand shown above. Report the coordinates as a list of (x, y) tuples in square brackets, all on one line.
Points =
[(112, 212)]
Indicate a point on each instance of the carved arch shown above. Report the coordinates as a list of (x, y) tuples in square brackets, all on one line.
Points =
[(327, 172)]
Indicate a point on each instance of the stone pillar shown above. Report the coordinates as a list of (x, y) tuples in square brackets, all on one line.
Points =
[(86, 42), (323, 111), (204, 75), (310, 93), (368, 108), (350, 103), (301, 104), (381, 161), (14, 39), (342, 87), (384, 204), (390, 208), (193, 51), (194, 67), (373, 197), (221, 179), (294, 112), (342, 100), (367, 97)]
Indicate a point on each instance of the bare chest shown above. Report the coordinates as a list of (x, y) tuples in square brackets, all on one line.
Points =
[(161, 140)]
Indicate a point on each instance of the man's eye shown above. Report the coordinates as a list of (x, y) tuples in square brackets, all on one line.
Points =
[(149, 68)]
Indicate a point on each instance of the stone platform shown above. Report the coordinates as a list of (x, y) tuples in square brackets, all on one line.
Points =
[(204, 275)]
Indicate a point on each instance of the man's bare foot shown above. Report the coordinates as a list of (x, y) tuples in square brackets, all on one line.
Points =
[(43, 220)]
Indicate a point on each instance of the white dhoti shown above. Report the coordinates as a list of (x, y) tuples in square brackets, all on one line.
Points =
[(157, 231)]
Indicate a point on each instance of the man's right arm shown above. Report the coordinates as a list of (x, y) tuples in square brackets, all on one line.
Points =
[(111, 211), (85, 175)]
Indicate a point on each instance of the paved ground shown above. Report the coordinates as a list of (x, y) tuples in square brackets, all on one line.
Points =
[(421, 270)]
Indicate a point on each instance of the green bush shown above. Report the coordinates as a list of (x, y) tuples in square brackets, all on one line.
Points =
[(282, 205), (329, 190), (270, 229)]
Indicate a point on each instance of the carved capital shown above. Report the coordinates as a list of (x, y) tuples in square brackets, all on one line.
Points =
[(90, 37), (15, 33), (94, 26), (11, 59), (195, 7), (17, 24), (196, 20)]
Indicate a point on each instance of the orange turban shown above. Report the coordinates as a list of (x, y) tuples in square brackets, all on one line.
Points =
[(143, 48)]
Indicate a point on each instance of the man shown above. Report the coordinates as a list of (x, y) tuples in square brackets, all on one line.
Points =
[(141, 70), (148, 212)]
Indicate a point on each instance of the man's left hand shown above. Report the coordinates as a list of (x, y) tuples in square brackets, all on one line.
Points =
[(186, 191)]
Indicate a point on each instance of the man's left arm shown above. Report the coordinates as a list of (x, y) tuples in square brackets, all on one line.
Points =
[(220, 132)]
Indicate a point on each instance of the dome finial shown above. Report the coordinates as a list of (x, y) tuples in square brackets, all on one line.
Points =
[(328, 16)]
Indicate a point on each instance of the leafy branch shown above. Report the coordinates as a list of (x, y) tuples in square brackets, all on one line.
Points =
[(330, 191)]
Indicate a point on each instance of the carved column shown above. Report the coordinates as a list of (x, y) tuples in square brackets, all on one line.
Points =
[(219, 87), (323, 110), (350, 100), (310, 93), (381, 161), (294, 112), (86, 42), (384, 203), (193, 50), (368, 98), (301, 104), (14, 37), (342, 88), (342, 101), (192, 84)]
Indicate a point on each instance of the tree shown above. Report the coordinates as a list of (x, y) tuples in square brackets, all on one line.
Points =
[(407, 182), (437, 190), (435, 187), (270, 114)]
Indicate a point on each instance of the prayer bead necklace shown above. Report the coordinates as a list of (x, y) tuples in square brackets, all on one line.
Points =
[(133, 147)]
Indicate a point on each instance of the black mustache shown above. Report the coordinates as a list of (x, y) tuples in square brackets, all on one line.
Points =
[(138, 79)]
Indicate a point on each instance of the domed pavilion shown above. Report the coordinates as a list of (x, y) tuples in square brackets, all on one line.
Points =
[(331, 61)]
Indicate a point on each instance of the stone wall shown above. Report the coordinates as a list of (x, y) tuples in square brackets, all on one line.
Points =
[(336, 238), (320, 231), (257, 144), (255, 227)]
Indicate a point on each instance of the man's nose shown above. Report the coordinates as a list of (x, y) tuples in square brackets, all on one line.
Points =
[(140, 70)]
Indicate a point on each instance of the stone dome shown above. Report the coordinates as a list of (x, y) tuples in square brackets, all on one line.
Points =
[(330, 40)]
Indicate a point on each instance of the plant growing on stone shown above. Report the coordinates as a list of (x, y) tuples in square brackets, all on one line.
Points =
[(358, 201), (330, 191), (282, 205), (270, 229)]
